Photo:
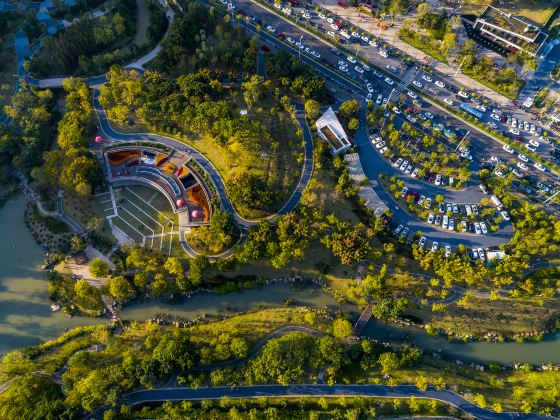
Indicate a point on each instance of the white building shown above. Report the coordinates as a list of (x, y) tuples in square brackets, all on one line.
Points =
[(330, 129)]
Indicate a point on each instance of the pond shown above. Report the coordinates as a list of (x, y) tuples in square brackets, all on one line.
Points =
[(25, 314), (26, 318)]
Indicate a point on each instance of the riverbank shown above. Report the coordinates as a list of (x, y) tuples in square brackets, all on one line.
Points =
[(25, 310)]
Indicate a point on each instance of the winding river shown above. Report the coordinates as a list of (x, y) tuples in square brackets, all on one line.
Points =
[(26, 318)]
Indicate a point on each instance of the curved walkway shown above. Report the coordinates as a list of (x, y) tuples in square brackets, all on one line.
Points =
[(312, 390), (212, 172)]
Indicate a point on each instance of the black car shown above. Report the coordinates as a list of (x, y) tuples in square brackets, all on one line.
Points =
[(555, 153), (452, 88)]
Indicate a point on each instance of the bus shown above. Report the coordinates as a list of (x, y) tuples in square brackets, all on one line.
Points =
[(469, 110)]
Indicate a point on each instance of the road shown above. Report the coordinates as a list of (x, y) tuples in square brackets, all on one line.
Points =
[(374, 164), (483, 146), (314, 390)]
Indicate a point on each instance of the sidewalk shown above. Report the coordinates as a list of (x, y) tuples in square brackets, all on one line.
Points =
[(390, 36)]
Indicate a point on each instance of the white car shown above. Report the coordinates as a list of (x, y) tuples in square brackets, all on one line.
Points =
[(514, 122), (508, 148), (523, 157), (392, 68), (351, 59), (383, 53), (403, 166), (464, 94), (412, 94), (534, 143), (359, 69), (448, 101), (411, 118), (514, 131), (495, 117), (376, 140), (481, 108), (380, 145), (429, 115), (322, 16), (290, 40), (434, 246), (342, 63), (398, 162), (427, 78), (438, 179), (270, 29), (331, 33), (384, 150), (440, 84), (373, 43), (481, 254), (477, 229), (492, 124), (369, 87), (330, 20), (505, 215), (447, 251), (451, 224), (422, 242), (389, 81), (521, 165), (379, 97), (539, 166), (414, 173), (404, 191), (430, 220), (344, 69), (483, 228), (365, 38), (396, 110), (345, 34), (355, 34), (530, 148), (369, 96), (335, 27), (417, 84)]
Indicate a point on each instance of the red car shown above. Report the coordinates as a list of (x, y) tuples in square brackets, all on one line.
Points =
[(519, 139), (265, 48)]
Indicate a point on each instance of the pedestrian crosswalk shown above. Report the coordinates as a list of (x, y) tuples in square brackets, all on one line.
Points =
[(405, 81)]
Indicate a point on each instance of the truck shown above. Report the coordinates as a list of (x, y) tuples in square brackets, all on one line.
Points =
[(496, 201)]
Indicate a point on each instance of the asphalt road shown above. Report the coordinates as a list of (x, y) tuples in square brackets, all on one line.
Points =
[(483, 146), (315, 390), (373, 164)]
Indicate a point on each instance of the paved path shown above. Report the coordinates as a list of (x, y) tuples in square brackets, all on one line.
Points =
[(315, 390)]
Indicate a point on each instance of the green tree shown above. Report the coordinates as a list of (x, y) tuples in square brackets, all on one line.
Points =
[(388, 362), (312, 109), (30, 397), (342, 329), (98, 268), (120, 288)]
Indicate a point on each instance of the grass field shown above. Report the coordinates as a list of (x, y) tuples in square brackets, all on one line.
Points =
[(142, 22), (537, 11)]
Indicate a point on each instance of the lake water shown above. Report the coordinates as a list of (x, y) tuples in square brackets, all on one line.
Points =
[(212, 304), (546, 351), (26, 318), (25, 314)]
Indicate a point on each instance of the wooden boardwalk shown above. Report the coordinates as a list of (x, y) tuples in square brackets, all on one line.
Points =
[(362, 321)]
